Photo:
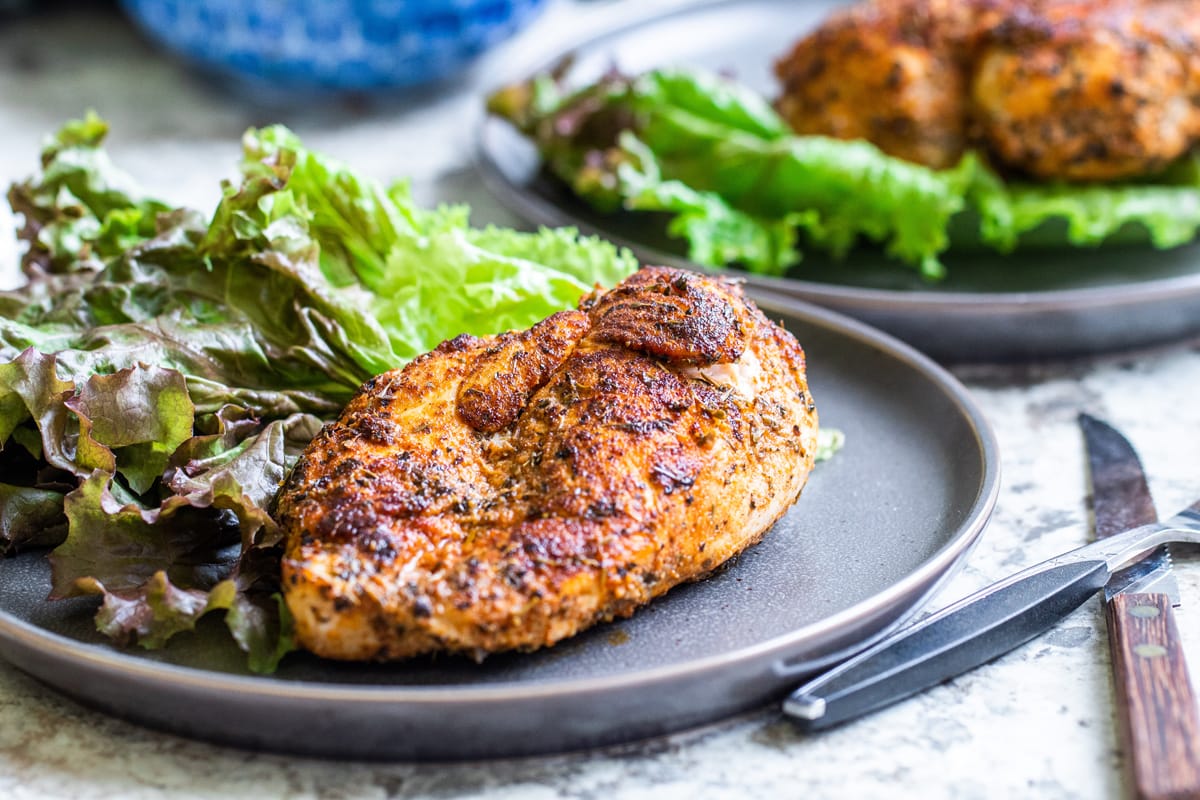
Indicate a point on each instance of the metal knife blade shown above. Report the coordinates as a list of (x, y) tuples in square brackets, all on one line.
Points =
[(1010, 612), (1122, 501)]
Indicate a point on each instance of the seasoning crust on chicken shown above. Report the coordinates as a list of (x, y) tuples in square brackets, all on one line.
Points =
[(507, 492), (1057, 89)]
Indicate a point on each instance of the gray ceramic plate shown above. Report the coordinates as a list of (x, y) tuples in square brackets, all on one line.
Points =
[(876, 530), (1036, 303)]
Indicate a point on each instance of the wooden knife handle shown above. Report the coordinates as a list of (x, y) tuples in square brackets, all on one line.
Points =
[(1156, 702)]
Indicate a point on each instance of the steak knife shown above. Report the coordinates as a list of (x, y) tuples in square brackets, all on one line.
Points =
[(978, 628), (1155, 700)]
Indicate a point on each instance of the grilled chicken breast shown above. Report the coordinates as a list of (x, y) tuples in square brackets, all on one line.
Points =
[(507, 492), (1064, 89), (888, 72)]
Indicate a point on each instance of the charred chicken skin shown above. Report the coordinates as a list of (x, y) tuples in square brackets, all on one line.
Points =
[(1057, 89), (506, 492)]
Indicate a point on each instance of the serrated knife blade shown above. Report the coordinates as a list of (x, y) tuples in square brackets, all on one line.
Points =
[(1160, 724)]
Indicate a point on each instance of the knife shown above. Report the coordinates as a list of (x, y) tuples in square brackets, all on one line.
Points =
[(1156, 704), (977, 628)]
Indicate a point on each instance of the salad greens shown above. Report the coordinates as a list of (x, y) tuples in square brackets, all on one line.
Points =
[(740, 188), (161, 370)]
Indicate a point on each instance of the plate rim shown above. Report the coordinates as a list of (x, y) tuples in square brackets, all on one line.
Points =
[(539, 210), (110, 659)]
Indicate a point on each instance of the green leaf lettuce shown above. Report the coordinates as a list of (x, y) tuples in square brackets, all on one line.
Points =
[(741, 189), (161, 370)]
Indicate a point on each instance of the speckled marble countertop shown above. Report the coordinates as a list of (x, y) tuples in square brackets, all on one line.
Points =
[(1038, 722)]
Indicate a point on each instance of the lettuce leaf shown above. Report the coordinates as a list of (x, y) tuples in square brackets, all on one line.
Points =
[(716, 233), (161, 370), (1012, 215), (742, 190), (82, 209), (30, 517)]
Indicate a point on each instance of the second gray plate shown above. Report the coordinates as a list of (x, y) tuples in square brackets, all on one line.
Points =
[(1032, 304), (875, 531)]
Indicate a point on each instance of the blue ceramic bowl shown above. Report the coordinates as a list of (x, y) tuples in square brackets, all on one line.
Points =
[(334, 44)]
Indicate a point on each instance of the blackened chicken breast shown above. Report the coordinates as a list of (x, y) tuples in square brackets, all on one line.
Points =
[(1055, 89), (506, 492)]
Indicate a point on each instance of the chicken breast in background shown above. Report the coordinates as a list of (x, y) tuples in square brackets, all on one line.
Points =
[(1057, 89), (507, 492), (889, 72), (1091, 91)]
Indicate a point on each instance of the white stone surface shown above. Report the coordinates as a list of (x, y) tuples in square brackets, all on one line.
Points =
[(1037, 723)]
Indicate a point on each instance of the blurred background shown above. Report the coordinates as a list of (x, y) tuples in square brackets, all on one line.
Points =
[(393, 87)]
